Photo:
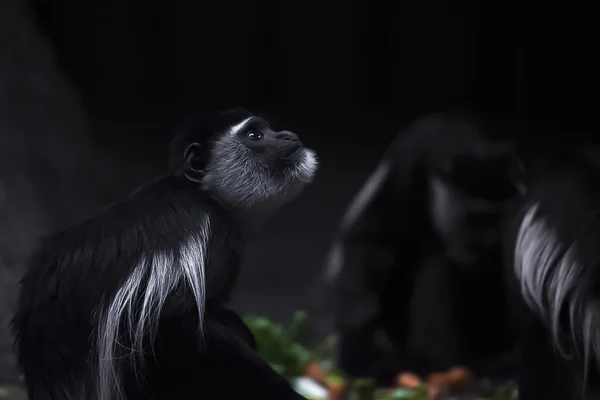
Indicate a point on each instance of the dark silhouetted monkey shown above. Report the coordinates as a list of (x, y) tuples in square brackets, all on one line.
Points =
[(418, 257), (554, 273), (130, 303)]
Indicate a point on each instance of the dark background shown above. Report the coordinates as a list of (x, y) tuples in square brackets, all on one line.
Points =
[(91, 91)]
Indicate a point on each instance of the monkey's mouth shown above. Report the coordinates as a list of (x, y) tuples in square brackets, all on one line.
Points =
[(292, 151)]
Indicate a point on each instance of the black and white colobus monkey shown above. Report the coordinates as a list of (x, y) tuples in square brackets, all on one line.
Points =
[(554, 269), (129, 304), (417, 267)]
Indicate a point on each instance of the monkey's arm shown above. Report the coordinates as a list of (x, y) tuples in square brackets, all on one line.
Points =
[(253, 376), (235, 324), (223, 365), (378, 246), (369, 260)]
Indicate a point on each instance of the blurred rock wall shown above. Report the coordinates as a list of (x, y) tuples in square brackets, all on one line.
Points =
[(49, 173)]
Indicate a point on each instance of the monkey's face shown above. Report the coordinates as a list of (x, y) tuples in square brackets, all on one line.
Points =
[(467, 204), (250, 164)]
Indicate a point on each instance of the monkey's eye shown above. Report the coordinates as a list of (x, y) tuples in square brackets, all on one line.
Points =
[(254, 135)]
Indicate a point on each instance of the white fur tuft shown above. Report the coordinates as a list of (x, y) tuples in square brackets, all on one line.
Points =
[(307, 168), (137, 306), (368, 191), (335, 259), (549, 274)]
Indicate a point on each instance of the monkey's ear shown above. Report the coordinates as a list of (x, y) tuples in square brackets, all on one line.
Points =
[(193, 167)]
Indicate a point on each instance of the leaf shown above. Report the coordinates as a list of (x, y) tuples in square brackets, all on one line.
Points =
[(280, 369), (402, 394), (297, 328), (363, 389), (326, 349)]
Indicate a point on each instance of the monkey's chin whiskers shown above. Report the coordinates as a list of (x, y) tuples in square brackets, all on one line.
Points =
[(307, 167)]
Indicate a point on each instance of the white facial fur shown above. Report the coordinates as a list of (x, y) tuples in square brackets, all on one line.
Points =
[(242, 178)]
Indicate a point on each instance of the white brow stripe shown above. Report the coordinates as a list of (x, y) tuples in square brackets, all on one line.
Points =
[(236, 128)]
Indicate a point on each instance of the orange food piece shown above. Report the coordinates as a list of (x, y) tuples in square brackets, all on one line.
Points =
[(438, 379), (315, 371), (459, 377), (336, 390), (409, 380), (435, 391), (455, 377)]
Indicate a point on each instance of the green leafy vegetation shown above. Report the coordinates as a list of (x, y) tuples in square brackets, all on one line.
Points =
[(289, 353), (281, 347)]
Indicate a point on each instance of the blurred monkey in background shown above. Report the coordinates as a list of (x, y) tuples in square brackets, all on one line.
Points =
[(553, 273), (417, 265)]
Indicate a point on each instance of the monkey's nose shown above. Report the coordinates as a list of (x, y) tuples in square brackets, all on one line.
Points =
[(287, 135)]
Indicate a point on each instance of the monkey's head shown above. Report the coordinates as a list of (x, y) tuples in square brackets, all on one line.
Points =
[(469, 197), (242, 161)]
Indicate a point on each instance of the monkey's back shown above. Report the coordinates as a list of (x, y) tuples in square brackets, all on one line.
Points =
[(76, 271), (553, 273)]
